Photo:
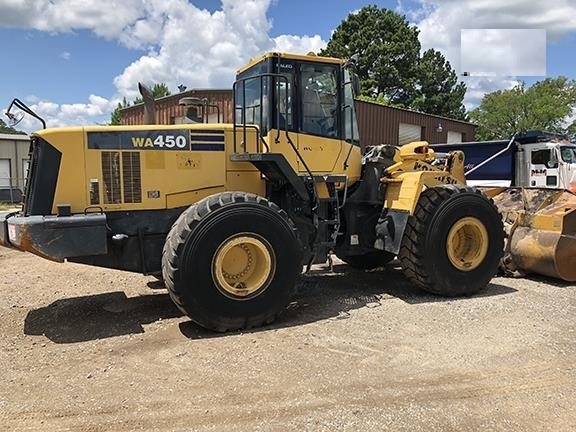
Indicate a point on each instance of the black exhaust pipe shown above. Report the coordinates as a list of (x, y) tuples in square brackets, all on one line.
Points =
[(149, 105)]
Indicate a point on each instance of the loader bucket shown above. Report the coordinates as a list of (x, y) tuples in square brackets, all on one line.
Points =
[(541, 228)]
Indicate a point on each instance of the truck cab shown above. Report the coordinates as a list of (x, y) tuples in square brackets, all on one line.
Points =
[(550, 164)]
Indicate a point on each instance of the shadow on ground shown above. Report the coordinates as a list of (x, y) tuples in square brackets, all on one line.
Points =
[(100, 316), (323, 293), (333, 294)]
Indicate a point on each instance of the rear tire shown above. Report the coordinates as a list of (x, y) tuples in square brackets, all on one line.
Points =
[(231, 260), (368, 261), (454, 241)]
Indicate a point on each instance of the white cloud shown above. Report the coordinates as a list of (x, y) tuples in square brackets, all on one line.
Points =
[(183, 43), (65, 55), (96, 110), (504, 51), (299, 44), (440, 23), (106, 18)]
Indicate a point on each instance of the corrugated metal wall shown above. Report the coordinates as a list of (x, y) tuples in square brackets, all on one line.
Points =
[(14, 157), (168, 110), (377, 124), (380, 124)]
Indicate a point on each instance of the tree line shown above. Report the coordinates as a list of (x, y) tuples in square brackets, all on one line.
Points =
[(5, 129), (392, 71)]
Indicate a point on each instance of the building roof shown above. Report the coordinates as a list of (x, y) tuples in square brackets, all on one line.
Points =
[(392, 107), (14, 137), (178, 96)]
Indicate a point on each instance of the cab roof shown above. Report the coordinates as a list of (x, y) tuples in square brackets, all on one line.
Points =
[(291, 56)]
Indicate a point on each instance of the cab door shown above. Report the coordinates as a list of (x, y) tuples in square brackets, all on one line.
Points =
[(543, 167), (319, 137)]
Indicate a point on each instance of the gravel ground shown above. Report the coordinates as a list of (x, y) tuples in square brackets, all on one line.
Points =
[(88, 349)]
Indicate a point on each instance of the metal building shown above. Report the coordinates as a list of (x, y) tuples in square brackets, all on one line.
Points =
[(13, 166), (381, 124), (169, 111), (377, 124)]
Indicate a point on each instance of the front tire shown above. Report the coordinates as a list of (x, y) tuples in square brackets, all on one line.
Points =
[(231, 260), (453, 243)]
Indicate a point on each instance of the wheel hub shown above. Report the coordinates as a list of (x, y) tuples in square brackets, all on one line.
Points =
[(243, 265), (467, 244)]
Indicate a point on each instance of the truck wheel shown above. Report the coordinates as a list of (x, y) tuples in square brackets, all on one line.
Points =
[(231, 260), (368, 261), (454, 241)]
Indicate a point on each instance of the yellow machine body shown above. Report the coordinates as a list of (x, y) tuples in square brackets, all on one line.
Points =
[(541, 228), (413, 171), (130, 168)]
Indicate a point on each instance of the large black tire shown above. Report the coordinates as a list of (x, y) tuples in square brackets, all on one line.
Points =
[(368, 261), (231, 261), (454, 241)]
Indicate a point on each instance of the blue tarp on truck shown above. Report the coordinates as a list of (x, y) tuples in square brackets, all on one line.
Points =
[(501, 168)]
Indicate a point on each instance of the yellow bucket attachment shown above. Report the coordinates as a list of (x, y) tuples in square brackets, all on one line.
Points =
[(541, 229)]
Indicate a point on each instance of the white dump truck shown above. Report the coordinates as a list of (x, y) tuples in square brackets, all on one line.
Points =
[(529, 159)]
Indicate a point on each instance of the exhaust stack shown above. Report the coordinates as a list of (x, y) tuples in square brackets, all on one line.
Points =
[(149, 105)]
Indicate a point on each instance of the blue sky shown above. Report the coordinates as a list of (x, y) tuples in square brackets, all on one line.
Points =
[(74, 60)]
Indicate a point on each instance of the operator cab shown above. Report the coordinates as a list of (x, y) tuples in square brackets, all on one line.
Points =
[(303, 101)]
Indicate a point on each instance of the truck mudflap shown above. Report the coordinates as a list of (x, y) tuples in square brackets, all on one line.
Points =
[(55, 237)]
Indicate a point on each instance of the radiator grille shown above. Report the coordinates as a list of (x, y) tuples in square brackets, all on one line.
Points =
[(111, 177), (122, 177), (131, 177)]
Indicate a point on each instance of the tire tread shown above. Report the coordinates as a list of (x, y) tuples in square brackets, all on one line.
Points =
[(412, 253), (176, 241)]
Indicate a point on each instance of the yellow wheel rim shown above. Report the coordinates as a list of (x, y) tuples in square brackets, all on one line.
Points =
[(467, 244), (243, 265)]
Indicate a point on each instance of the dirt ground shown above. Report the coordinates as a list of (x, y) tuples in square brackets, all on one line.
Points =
[(88, 349)]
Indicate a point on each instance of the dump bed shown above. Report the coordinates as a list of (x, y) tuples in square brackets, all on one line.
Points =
[(502, 168)]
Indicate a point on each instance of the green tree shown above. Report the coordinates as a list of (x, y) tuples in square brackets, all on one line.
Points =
[(388, 50), (571, 130), (115, 116), (390, 67), (438, 90), (545, 105), (5, 129)]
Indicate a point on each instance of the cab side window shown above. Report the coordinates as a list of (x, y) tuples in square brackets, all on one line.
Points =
[(283, 116), (540, 157)]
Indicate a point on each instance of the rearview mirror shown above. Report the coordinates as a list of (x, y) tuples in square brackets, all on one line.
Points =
[(355, 84)]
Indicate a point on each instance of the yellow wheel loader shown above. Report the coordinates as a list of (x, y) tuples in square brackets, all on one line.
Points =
[(229, 214)]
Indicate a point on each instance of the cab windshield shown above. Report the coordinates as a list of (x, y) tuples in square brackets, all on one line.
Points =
[(568, 154)]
